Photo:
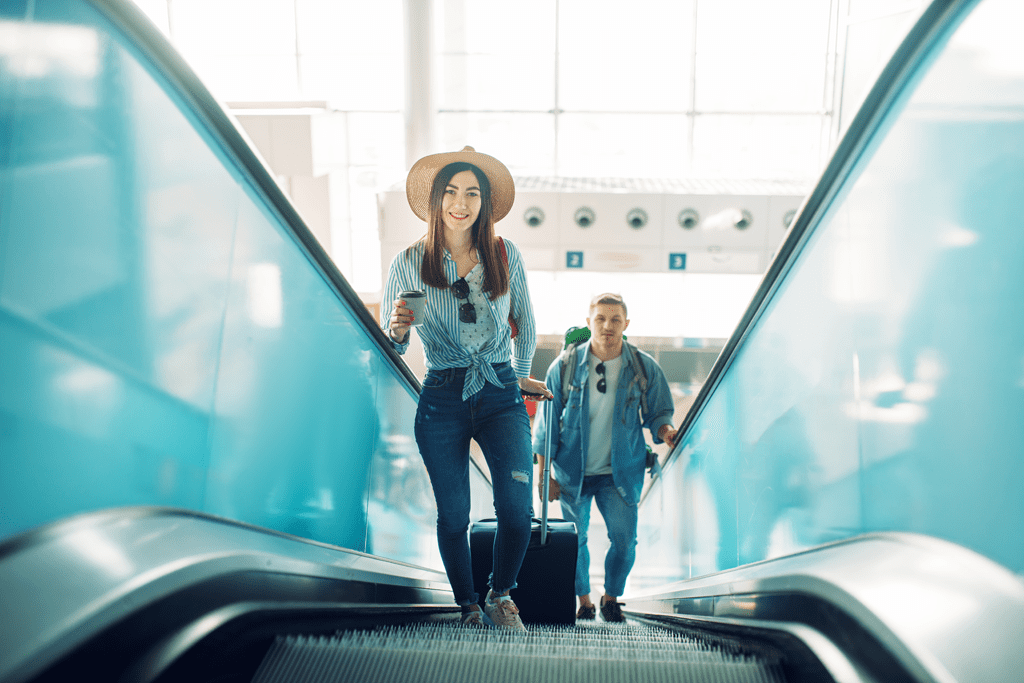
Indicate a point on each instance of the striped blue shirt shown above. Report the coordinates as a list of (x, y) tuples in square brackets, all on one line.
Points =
[(440, 331)]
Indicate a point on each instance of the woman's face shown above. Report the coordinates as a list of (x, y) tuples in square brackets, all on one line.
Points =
[(460, 204)]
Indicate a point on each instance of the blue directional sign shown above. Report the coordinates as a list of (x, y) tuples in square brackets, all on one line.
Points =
[(677, 261), (574, 259)]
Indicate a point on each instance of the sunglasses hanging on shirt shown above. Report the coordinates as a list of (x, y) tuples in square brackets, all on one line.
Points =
[(602, 386), (467, 311)]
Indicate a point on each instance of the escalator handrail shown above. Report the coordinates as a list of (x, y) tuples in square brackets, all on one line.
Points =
[(189, 89), (940, 17), (155, 580)]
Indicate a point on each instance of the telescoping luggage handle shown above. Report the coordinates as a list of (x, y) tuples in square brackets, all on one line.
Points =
[(547, 473)]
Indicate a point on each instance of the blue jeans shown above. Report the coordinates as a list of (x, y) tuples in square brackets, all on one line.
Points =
[(621, 519), (496, 418)]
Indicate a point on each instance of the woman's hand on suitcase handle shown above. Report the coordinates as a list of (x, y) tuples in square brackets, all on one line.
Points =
[(534, 390)]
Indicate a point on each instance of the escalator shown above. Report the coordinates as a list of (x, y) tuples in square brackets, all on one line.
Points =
[(158, 526), (157, 595), (208, 599)]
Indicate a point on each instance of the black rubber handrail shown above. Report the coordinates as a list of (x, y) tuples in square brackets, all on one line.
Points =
[(162, 56), (938, 19)]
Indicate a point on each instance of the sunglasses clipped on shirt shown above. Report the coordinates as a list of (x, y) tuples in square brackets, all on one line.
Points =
[(602, 386), (467, 311)]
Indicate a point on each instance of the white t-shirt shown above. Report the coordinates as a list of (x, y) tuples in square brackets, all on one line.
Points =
[(602, 412)]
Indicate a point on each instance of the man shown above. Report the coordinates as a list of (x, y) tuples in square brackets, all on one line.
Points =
[(599, 453)]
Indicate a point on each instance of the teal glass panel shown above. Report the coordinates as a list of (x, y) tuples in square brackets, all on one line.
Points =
[(165, 338), (882, 386)]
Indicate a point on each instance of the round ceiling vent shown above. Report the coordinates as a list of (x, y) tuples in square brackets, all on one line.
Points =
[(688, 219), (636, 218), (534, 216), (585, 217)]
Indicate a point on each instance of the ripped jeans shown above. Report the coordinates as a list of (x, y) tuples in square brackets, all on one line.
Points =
[(496, 418)]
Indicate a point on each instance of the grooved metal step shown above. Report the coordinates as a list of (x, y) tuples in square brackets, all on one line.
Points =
[(449, 653)]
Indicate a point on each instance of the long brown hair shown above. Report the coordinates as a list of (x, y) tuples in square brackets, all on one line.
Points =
[(496, 277)]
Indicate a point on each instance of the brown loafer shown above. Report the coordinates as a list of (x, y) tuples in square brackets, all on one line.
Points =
[(586, 612), (612, 611)]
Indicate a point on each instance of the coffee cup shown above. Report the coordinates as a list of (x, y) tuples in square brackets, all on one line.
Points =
[(416, 301)]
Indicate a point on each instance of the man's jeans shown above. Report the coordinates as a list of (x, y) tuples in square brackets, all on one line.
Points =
[(621, 520), (496, 418)]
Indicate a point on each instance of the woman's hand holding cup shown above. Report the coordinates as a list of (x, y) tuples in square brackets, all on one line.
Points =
[(408, 311), (401, 320)]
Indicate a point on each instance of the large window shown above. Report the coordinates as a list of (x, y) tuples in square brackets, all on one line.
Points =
[(655, 88), (730, 89)]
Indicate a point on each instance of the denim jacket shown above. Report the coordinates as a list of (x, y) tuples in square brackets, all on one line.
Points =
[(629, 452)]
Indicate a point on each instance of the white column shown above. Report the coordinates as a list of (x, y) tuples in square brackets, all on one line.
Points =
[(419, 74)]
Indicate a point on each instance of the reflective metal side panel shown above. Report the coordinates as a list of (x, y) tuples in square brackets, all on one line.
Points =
[(68, 582), (877, 607)]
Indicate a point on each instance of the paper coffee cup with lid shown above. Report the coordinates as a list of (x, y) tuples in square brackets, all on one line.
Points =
[(416, 301)]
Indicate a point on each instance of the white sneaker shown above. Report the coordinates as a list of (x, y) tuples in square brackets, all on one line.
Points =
[(474, 618), (503, 612)]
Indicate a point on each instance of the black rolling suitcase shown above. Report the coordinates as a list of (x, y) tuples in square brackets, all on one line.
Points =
[(546, 593)]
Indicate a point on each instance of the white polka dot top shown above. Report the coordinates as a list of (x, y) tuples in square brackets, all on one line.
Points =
[(474, 335)]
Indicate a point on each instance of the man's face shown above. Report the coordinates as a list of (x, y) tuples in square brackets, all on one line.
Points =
[(607, 322)]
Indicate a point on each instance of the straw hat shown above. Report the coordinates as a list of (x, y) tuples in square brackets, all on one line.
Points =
[(422, 174)]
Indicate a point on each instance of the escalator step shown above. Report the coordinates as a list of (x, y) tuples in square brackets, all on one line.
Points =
[(449, 653)]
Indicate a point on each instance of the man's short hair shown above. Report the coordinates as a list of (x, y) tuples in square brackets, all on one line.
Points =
[(610, 299)]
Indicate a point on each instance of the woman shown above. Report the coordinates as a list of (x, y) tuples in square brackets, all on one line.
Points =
[(473, 281)]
